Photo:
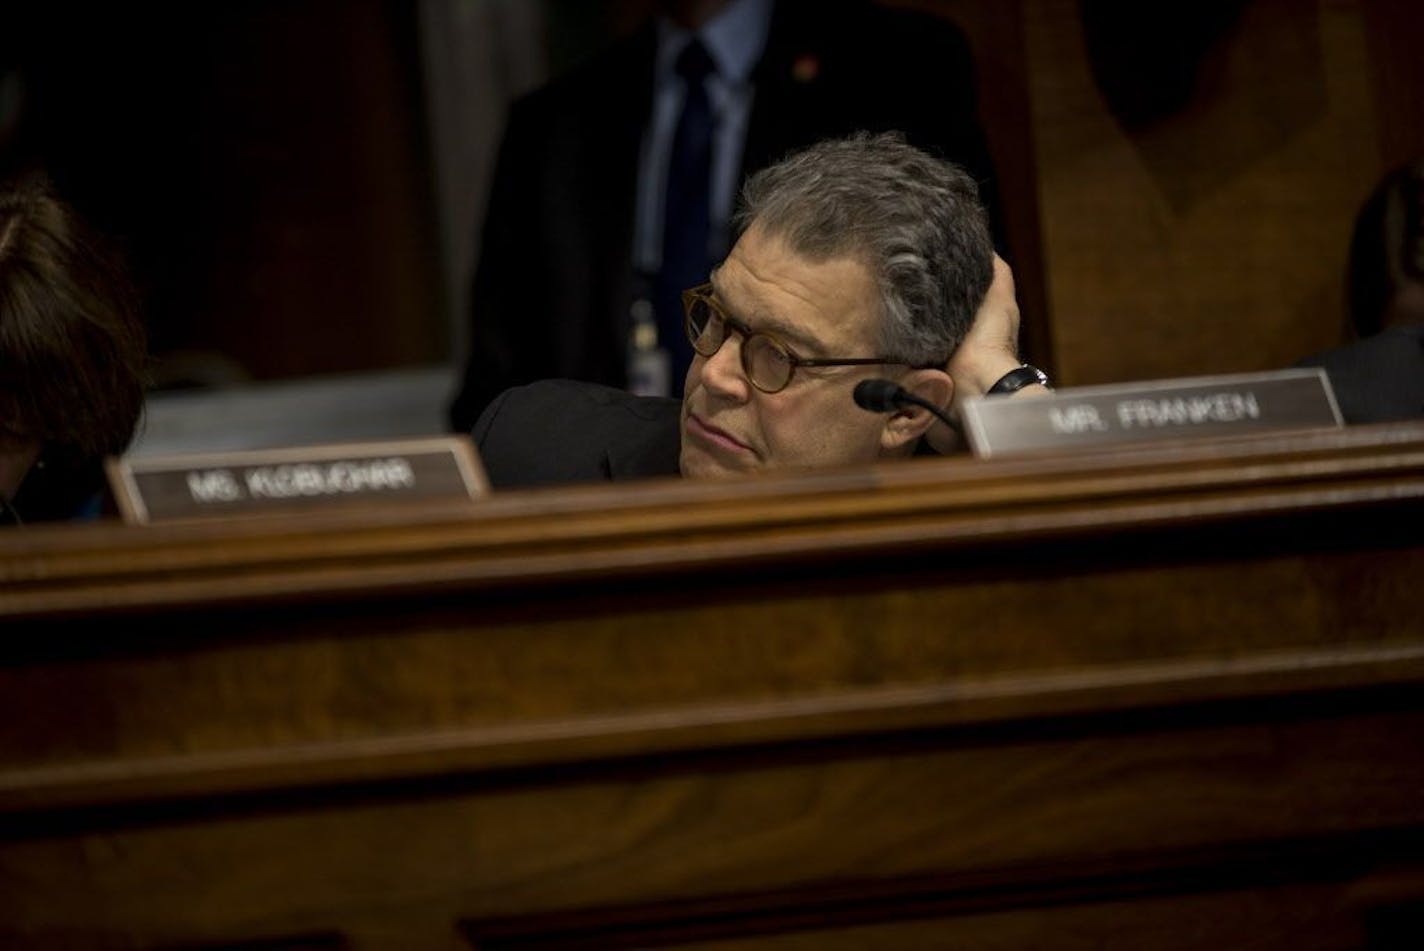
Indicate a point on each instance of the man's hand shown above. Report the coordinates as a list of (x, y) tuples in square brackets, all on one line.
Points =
[(989, 350)]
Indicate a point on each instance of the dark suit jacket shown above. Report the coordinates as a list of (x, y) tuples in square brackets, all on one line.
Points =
[(561, 431), (558, 431), (555, 284), (1379, 379)]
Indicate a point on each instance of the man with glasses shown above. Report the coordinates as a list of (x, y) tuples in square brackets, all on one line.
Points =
[(858, 258), (608, 175)]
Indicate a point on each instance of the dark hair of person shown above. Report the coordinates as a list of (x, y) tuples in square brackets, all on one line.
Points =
[(1386, 248), (915, 220), (73, 359)]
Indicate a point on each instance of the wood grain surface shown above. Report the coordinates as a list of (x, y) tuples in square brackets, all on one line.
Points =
[(1165, 697)]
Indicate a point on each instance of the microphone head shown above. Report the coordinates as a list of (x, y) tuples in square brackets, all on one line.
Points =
[(878, 396)]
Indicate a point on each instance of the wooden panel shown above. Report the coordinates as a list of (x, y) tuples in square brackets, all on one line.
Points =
[(1277, 918), (1002, 819), (1214, 237), (1395, 31), (1066, 701)]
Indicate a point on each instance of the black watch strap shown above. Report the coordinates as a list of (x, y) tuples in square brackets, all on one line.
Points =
[(1016, 379)]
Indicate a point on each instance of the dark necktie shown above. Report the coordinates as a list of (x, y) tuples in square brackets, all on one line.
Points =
[(687, 208)]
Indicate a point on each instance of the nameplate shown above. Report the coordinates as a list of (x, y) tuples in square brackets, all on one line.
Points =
[(283, 481), (1152, 411)]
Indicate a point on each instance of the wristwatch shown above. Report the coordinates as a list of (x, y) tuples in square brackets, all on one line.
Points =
[(1016, 379)]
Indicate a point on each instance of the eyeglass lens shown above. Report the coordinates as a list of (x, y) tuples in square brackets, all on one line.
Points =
[(767, 364)]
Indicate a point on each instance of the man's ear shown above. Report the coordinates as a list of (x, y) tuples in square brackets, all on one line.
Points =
[(909, 422)]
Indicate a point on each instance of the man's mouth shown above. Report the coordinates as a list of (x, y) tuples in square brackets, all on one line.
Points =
[(712, 436)]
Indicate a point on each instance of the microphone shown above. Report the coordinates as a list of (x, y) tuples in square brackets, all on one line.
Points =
[(886, 396)]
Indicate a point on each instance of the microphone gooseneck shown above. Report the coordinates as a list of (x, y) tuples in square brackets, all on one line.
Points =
[(886, 396)]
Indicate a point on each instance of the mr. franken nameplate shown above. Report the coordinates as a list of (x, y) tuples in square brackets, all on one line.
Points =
[(1152, 411), (280, 481)]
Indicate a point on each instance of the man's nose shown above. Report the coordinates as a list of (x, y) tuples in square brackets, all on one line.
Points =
[(722, 373)]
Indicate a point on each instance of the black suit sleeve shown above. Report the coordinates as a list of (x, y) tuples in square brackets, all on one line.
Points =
[(563, 431)]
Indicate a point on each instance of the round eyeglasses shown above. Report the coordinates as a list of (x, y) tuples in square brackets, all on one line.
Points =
[(768, 363)]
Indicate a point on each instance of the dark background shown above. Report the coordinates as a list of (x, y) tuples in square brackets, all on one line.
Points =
[(263, 164), (1179, 188)]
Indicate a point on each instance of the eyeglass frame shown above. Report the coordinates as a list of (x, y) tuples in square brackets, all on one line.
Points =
[(705, 292)]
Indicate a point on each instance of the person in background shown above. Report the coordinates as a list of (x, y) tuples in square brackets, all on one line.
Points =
[(73, 361), (1380, 377), (615, 183), (858, 258)]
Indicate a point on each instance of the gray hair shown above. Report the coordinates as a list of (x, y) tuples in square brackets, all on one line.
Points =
[(916, 221)]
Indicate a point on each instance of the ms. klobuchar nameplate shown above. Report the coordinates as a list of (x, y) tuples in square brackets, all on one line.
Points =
[(277, 481), (1151, 411)]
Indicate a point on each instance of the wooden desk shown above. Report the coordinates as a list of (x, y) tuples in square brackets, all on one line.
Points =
[(1167, 698)]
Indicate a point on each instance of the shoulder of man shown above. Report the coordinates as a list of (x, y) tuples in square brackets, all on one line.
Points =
[(1377, 379), (562, 431)]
